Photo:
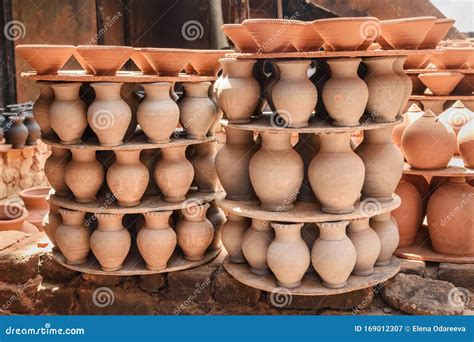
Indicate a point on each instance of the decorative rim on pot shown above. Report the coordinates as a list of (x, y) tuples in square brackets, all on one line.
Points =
[(273, 21), (36, 192), (105, 215), (104, 47), (333, 224), (344, 19), (158, 213), (407, 20)]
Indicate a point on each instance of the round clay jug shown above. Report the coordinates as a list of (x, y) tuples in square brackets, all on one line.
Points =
[(73, 237), (238, 92), (450, 218), (345, 94), (174, 173), (217, 217), (72, 126), (336, 174), (386, 89), (428, 143), (413, 113), (34, 130), (255, 244), (288, 256), (387, 231), (195, 232), (409, 213), (156, 240), (383, 163), (158, 110), (232, 234), (232, 163), (423, 187), (204, 164), (307, 147), (84, 175), (406, 81), (367, 246), (110, 242), (41, 106), (55, 170), (333, 255), (128, 178), (466, 144), (456, 117), (149, 158), (36, 204), (16, 133), (276, 172), (51, 222)]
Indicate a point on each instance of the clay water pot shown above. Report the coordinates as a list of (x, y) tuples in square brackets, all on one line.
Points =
[(194, 232), (288, 256), (428, 143), (141, 62), (255, 244), (238, 92), (12, 217), (406, 33), (276, 172), (367, 246), (34, 130), (307, 147), (110, 242), (72, 126), (84, 175), (232, 234), (386, 89), (156, 240), (149, 158), (294, 95), (308, 39), (383, 163), (16, 133), (128, 178), (409, 213), (36, 204), (456, 117), (55, 170), (232, 164), (241, 38), (387, 231), (333, 255), (41, 106), (413, 113), (407, 84), (450, 219), (452, 57), (51, 222), (269, 83), (45, 59), (204, 164), (441, 83), (174, 173), (345, 94), (336, 174), (437, 32), (466, 144), (216, 216), (73, 237), (105, 60)]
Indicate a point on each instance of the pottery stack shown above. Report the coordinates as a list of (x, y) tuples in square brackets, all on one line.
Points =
[(18, 127)]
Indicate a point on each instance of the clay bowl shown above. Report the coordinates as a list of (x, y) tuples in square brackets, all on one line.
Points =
[(105, 60), (274, 35), (206, 62), (36, 204), (417, 61), (308, 39), (384, 44), (45, 59), (406, 33), (241, 38), (348, 34), (12, 216), (82, 62), (452, 57), (441, 83), (142, 64), (167, 62), (436, 33)]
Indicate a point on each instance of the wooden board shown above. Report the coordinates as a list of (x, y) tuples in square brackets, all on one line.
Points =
[(442, 98), (455, 169), (306, 212), (425, 71), (311, 284)]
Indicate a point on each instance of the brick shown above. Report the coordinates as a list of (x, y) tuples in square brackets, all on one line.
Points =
[(227, 290)]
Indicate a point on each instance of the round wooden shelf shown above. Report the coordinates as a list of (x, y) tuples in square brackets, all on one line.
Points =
[(307, 212), (135, 265), (455, 169), (425, 71), (442, 98), (311, 284)]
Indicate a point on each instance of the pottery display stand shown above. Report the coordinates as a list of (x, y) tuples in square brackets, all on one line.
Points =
[(436, 103)]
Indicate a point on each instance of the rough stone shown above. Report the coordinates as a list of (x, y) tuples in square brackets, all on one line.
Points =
[(191, 285), (227, 290), (19, 266), (103, 280), (458, 274), (431, 270), (19, 298), (412, 266), (56, 299), (152, 283), (51, 270)]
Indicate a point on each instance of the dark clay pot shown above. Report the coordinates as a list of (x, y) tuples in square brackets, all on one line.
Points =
[(34, 130), (16, 133)]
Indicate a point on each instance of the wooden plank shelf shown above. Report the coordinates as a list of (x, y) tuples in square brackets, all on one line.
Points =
[(455, 168), (442, 97)]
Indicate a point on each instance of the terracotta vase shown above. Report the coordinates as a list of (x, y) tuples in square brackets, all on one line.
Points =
[(158, 110), (269, 84), (367, 246), (276, 172), (232, 234), (72, 126), (288, 256), (238, 92), (333, 255), (428, 143), (456, 117), (36, 204), (255, 244), (217, 217), (413, 113), (16, 133), (307, 147), (174, 173), (232, 164), (423, 188), (73, 237), (41, 106), (216, 122), (149, 158), (450, 218), (51, 222), (84, 175), (204, 164), (195, 232), (34, 130), (336, 174), (409, 213), (406, 81), (406, 33), (466, 144), (383, 163), (345, 94), (55, 170), (387, 231)]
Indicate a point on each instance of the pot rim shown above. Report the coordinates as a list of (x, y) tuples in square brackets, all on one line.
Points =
[(26, 193)]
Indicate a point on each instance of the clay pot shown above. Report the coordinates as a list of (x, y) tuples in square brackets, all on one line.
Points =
[(428, 143), (308, 39), (51, 222), (206, 62), (232, 164), (452, 57), (383, 163), (436, 33), (105, 60), (204, 164), (73, 237), (409, 213), (345, 94), (55, 170), (406, 81), (336, 174), (406, 33), (45, 59), (232, 234), (418, 61), (255, 244), (149, 158), (288, 256), (387, 231), (367, 246), (241, 38), (450, 218), (456, 117), (441, 83), (36, 204), (466, 144), (194, 232), (16, 133), (276, 172), (238, 92), (41, 106), (34, 130), (72, 126), (156, 240), (333, 255), (127, 178), (174, 173), (158, 110), (270, 83), (413, 113), (216, 122), (167, 62), (217, 217), (12, 217), (84, 175), (307, 147), (423, 188), (141, 62)]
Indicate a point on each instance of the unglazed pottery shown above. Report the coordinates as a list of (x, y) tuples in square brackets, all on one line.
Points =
[(409, 213), (36, 204), (456, 117), (216, 216), (307, 147), (386, 229), (149, 157), (406, 81), (129, 94), (466, 144), (441, 83), (288, 256), (308, 39), (419, 61), (269, 83), (276, 172), (452, 57), (204, 164), (367, 246), (232, 234), (45, 59), (167, 62), (16, 133), (406, 33), (435, 106), (41, 106), (255, 243), (336, 174), (73, 237), (197, 111), (436, 33), (142, 63), (105, 60), (310, 233), (240, 37), (55, 170), (34, 130), (51, 222), (423, 188), (206, 62)]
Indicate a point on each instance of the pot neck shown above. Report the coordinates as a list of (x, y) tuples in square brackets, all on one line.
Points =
[(384, 216), (237, 136), (261, 225), (359, 225), (72, 217), (344, 67), (174, 153), (196, 213), (83, 155), (157, 220), (333, 230), (379, 136), (59, 152), (109, 222), (336, 142), (157, 91), (199, 89), (127, 156), (69, 92), (287, 231), (235, 218), (239, 68), (107, 90), (398, 65), (276, 141), (293, 70)]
